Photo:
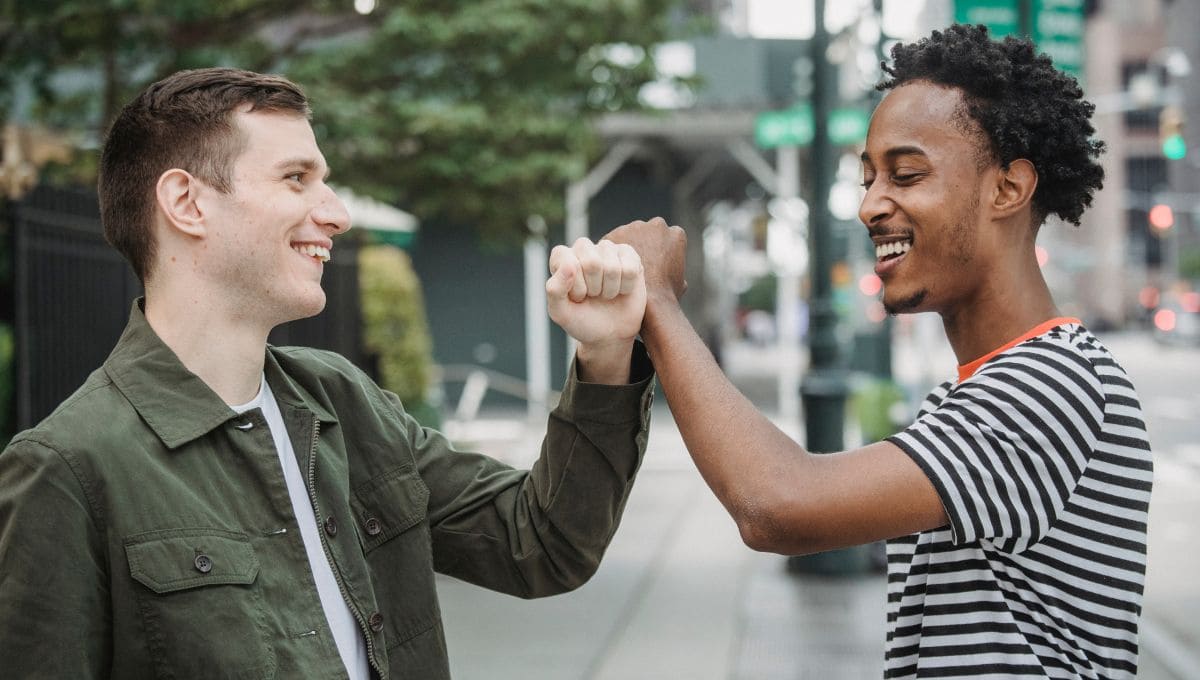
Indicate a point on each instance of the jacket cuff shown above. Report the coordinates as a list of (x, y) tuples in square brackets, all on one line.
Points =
[(610, 404)]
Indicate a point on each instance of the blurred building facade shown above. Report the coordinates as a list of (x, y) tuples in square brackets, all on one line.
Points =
[(1132, 48)]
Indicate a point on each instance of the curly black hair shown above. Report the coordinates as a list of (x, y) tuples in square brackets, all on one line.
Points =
[(1025, 107)]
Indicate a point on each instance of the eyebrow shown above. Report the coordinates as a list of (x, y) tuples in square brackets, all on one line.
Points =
[(302, 163), (897, 151)]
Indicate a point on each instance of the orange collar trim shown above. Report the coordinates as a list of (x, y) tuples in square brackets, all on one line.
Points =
[(967, 370)]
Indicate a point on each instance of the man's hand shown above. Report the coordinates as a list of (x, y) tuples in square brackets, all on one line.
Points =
[(597, 293), (663, 250)]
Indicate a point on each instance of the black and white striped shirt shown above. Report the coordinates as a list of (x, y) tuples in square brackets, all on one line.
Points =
[(1042, 462)]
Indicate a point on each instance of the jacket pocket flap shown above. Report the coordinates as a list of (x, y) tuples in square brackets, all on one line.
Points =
[(167, 561), (389, 504)]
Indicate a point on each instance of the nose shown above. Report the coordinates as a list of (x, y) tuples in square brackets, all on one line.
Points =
[(331, 213), (875, 205)]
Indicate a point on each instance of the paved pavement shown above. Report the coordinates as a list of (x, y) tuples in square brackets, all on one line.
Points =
[(678, 596)]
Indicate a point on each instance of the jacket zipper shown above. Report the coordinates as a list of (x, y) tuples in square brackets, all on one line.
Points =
[(337, 575)]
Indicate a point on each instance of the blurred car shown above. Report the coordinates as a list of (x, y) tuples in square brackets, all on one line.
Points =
[(1177, 319)]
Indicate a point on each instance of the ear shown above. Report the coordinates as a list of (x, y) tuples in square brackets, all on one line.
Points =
[(1015, 186), (177, 193)]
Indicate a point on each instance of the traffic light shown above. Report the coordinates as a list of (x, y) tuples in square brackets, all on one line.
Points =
[(1170, 132), (1162, 217)]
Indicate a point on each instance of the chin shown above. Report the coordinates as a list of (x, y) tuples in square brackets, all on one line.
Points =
[(904, 304), (305, 307)]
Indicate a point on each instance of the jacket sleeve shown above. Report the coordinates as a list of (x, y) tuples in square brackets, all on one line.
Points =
[(54, 617), (543, 531)]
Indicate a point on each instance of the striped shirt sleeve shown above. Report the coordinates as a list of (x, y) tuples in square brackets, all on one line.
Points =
[(1006, 447)]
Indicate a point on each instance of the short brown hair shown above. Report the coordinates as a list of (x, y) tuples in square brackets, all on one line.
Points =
[(183, 121)]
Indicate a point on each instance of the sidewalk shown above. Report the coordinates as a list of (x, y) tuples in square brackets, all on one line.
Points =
[(677, 596)]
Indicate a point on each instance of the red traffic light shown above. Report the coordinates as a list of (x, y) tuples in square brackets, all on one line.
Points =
[(1162, 217)]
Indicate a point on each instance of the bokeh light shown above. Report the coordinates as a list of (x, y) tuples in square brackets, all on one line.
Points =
[(870, 285), (1164, 320)]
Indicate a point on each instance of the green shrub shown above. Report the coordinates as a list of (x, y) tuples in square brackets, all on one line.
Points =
[(1189, 263), (395, 330), (873, 405)]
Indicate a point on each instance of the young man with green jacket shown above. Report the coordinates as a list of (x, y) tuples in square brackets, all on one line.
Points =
[(209, 506)]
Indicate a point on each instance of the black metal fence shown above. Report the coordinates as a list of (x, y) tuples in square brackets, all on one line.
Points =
[(72, 295)]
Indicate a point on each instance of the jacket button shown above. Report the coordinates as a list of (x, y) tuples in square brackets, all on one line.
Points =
[(373, 526), (330, 527), (376, 622), (203, 564)]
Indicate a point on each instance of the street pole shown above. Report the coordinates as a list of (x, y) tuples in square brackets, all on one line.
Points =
[(1025, 18), (883, 362), (537, 327), (823, 391)]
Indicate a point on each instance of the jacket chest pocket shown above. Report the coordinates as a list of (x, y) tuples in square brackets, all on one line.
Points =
[(391, 516), (202, 613)]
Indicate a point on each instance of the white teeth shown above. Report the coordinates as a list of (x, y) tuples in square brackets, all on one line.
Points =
[(893, 248), (313, 250)]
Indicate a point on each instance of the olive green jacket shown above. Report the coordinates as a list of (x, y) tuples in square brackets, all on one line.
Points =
[(146, 529)]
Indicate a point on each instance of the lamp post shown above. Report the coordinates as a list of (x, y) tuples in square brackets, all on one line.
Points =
[(824, 389)]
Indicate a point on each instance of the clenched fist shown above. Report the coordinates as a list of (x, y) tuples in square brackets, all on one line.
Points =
[(597, 292), (663, 250)]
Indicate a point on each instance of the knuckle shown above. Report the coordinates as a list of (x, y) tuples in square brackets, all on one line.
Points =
[(588, 260)]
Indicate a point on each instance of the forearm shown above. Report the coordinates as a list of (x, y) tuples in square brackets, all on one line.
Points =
[(743, 456), (605, 363), (543, 532)]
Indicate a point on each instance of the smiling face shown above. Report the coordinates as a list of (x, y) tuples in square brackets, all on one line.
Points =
[(925, 183), (271, 235)]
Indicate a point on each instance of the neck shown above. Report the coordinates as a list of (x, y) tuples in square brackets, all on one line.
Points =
[(1000, 313), (224, 349)]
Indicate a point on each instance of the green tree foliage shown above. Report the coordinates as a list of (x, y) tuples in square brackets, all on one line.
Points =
[(394, 328), (470, 111)]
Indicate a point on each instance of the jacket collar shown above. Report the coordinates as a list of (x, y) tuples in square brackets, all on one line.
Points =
[(175, 403)]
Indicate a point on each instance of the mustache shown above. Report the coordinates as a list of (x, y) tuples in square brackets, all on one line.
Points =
[(887, 231)]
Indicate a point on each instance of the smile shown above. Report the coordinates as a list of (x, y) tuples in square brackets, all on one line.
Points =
[(889, 250), (320, 253)]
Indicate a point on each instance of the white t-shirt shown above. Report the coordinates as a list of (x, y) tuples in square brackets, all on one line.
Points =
[(346, 635), (1043, 466)]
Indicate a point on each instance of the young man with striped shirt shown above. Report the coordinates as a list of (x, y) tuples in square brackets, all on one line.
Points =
[(1015, 504)]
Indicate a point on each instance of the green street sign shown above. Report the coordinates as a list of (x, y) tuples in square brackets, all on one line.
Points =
[(1058, 31), (848, 126), (1002, 17), (790, 127), (794, 127), (1056, 26)]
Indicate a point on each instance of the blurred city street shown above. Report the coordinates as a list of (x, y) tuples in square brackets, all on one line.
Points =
[(679, 596), (466, 140)]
